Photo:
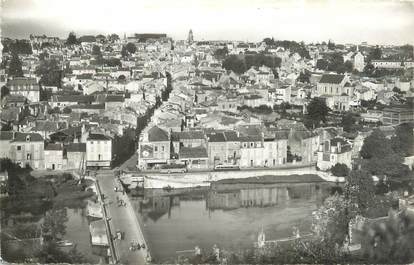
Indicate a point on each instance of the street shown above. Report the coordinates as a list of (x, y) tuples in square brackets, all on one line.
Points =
[(122, 218)]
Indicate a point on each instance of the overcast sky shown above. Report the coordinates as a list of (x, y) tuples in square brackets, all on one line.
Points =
[(343, 21)]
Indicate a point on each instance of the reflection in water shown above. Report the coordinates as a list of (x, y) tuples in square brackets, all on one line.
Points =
[(229, 215)]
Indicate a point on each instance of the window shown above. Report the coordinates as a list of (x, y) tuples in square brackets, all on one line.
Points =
[(19, 148), (91, 142), (155, 148), (251, 144), (163, 148)]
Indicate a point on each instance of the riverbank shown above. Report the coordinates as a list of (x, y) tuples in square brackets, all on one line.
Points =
[(28, 212)]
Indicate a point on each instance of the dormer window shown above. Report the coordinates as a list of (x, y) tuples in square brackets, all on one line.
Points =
[(28, 138)]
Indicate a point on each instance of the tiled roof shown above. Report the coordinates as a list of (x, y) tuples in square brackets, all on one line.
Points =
[(193, 152), (98, 137), (114, 98), (53, 147), (48, 126), (331, 79), (191, 135), (216, 137), (74, 98), (33, 137), (231, 136), (76, 147), (88, 106), (6, 135), (156, 134), (22, 81)]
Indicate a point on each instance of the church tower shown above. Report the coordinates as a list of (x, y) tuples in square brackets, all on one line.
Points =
[(190, 38)]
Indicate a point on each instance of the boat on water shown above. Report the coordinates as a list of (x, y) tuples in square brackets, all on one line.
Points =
[(64, 243)]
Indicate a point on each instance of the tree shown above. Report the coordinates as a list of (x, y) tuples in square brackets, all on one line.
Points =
[(360, 191), (124, 52), (4, 91), (340, 170), (403, 141), (43, 56), (96, 50), (376, 145), (221, 53), (369, 69), (322, 64), (121, 78), (113, 37), (317, 112), (15, 66), (304, 77), (72, 40), (131, 48), (347, 122), (336, 62), (67, 110), (50, 73), (235, 64), (375, 54), (348, 66)]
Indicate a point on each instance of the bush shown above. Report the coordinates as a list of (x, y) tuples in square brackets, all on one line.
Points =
[(340, 170)]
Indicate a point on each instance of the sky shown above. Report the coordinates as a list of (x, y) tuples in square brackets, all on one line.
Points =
[(343, 21)]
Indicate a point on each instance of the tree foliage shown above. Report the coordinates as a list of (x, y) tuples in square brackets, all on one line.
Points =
[(235, 64), (17, 46), (340, 170), (403, 141), (317, 112), (221, 53), (15, 66), (375, 145), (72, 40), (131, 48), (304, 77), (50, 73), (347, 121)]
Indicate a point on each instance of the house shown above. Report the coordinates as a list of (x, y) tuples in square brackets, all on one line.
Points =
[(303, 144), (223, 148), (75, 155), (331, 152), (54, 156), (262, 147), (26, 87), (334, 84), (251, 150), (194, 157), (45, 128), (13, 101), (26, 149), (98, 151), (396, 115), (153, 148)]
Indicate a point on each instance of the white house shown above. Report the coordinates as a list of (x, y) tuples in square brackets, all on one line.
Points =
[(98, 151)]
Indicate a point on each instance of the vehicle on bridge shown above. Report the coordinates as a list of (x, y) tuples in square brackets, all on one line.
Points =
[(173, 168), (226, 167)]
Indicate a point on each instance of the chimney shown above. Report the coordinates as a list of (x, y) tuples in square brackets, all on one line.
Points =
[(14, 135)]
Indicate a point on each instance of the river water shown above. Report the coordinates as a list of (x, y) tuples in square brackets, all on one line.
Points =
[(77, 231), (230, 216)]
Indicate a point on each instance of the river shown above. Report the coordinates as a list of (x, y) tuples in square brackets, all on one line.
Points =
[(230, 216), (77, 231)]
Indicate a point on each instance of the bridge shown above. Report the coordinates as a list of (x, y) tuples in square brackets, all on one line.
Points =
[(122, 218)]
